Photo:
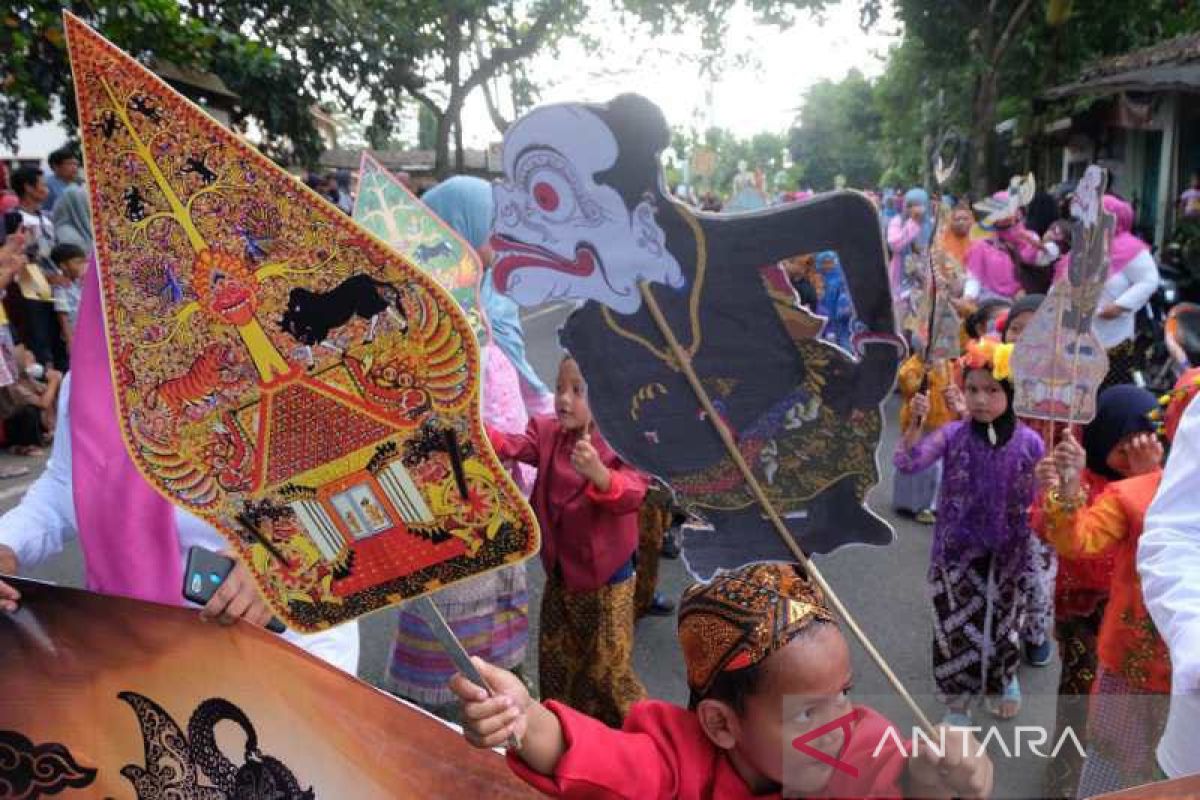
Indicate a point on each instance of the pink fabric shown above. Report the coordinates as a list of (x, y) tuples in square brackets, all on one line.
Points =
[(1125, 246), (992, 266), (8, 202), (901, 233), (504, 407), (127, 530)]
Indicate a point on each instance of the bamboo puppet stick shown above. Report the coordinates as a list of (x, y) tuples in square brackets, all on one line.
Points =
[(760, 495)]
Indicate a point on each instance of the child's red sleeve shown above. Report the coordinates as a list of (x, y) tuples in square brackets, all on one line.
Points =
[(601, 762), (626, 490), (521, 447)]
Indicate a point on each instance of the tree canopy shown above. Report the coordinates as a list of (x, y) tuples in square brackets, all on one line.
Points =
[(35, 77), (966, 65)]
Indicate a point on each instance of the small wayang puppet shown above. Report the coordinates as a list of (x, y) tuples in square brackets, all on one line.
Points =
[(582, 213), (302, 387), (386, 208), (1059, 363)]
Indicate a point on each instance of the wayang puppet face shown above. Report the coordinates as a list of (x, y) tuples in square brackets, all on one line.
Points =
[(225, 287), (560, 231)]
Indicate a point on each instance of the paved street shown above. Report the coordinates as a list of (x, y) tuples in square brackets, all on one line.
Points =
[(884, 587)]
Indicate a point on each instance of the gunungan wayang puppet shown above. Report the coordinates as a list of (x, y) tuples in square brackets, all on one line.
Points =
[(301, 387), (581, 213)]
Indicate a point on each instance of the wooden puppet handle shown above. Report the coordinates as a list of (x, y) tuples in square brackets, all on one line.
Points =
[(685, 365)]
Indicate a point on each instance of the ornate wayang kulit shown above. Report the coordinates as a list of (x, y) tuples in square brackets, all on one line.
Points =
[(174, 709), (686, 309), (386, 208), (279, 371), (1059, 364)]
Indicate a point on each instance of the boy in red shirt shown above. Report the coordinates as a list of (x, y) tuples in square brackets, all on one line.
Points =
[(587, 501), (767, 667)]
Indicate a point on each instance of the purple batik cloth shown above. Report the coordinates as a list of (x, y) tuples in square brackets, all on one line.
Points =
[(983, 506)]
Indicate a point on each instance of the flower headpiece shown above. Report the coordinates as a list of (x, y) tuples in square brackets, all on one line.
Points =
[(989, 352), (1172, 404)]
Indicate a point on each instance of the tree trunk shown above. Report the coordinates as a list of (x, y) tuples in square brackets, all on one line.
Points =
[(982, 113), (459, 155), (441, 162)]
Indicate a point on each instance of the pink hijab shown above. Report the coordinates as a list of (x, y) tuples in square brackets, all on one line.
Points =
[(1125, 246), (127, 530)]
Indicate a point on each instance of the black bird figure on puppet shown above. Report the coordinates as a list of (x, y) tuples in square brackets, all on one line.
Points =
[(582, 214)]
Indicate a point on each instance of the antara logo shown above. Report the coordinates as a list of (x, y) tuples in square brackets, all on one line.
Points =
[(1024, 739), (846, 723)]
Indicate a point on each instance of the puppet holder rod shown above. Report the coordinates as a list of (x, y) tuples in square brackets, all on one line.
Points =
[(428, 611), (685, 365)]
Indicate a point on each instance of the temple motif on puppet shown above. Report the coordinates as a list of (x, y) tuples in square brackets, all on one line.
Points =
[(279, 371)]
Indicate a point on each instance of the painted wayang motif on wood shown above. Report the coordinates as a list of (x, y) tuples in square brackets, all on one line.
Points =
[(108, 697), (582, 213), (386, 208), (1059, 363), (280, 372)]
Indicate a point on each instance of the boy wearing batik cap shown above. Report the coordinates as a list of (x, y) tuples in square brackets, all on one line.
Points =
[(767, 667)]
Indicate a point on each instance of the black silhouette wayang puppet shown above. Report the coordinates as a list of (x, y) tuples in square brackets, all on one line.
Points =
[(582, 214)]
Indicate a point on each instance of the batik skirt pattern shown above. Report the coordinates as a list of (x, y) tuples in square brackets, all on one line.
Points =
[(585, 650), (1039, 592), (978, 609)]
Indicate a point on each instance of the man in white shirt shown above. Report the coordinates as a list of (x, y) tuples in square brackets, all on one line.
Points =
[(45, 520), (1169, 567)]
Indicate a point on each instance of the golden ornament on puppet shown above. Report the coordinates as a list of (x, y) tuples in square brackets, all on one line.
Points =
[(279, 371)]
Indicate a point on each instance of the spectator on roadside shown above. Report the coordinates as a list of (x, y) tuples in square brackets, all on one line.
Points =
[(73, 220), (64, 172), (72, 261), (28, 406), (39, 328)]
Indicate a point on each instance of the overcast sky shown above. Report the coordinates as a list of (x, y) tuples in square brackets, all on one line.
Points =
[(760, 94)]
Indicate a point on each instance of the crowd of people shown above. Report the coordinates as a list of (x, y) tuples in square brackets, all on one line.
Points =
[(1041, 533), (47, 242)]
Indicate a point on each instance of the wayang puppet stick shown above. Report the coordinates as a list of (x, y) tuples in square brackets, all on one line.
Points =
[(685, 365)]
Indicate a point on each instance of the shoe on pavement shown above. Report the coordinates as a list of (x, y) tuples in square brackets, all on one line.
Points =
[(660, 606), (926, 516), (1039, 655)]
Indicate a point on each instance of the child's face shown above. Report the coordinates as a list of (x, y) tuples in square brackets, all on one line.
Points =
[(570, 398), (1118, 457), (1016, 326), (986, 400), (961, 222), (814, 673), (74, 267)]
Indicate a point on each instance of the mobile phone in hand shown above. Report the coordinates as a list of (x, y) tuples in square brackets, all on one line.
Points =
[(204, 573)]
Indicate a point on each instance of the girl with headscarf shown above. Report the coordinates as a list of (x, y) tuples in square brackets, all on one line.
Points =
[(1132, 280), (489, 614), (73, 219), (465, 203), (834, 303), (908, 234), (1081, 588), (1127, 711), (1043, 563), (981, 542), (994, 264)]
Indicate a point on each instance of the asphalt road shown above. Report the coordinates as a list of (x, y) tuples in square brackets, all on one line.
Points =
[(883, 587)]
